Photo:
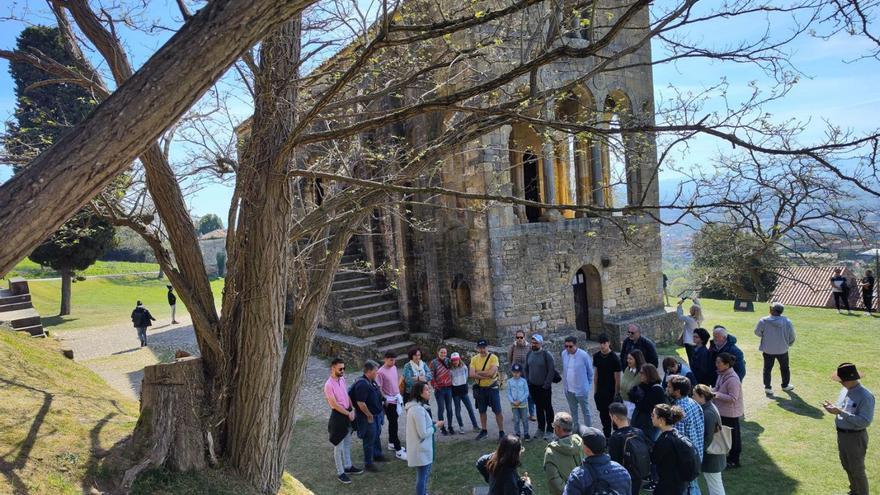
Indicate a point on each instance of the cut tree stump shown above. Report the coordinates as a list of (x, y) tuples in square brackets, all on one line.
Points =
[(170, 432)]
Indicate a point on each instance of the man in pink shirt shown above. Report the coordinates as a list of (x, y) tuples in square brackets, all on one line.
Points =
[(341, 416), (389, 384)]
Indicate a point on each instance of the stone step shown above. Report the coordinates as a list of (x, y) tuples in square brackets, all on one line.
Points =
[(361, 290), (33, 330), (377, 317), (384, 326), (26, 322), (401, 348), (353, 300), (350, 258), (383, 305), (349, 274), (351, 282), (384, 339), (14, 306), (10, 298)]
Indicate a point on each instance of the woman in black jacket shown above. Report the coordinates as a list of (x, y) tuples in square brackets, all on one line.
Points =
[(701, 361), (663, 455), (499, 469), (645, 396)]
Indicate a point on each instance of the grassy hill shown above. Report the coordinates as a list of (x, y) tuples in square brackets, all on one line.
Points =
[(28, 269)]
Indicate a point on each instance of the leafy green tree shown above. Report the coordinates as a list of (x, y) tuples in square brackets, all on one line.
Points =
[(733, 262), (45, 109), (209, 223)]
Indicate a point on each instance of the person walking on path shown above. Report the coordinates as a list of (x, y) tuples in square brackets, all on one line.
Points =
[(172, 302), (606, 380), (690, 321), (777, 335), (516, 354), (499, 469), (724, 342), (729, 401), (563, 454), (420, 430), (692, 425), (441, 380), (597, 470), (460, 392), (623, 449), (664, 455), (713, 464), (518, 396), (635, 340), (341, 417), (367, 397), (484, 369), (540, 370), (853, 414), (701, 363), (414, 371), (840, 291), (866, 285), (577, 380), (388, 380), (141, 319)]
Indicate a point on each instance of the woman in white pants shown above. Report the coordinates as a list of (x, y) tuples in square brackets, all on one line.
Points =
[(713, 464)]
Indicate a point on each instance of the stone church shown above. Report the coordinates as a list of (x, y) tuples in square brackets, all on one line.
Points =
[(458, 273)]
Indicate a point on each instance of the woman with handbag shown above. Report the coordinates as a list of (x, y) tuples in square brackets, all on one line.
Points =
[(729, 400), (716, 440)]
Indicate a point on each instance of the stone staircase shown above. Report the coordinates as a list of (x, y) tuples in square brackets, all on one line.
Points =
[(374, 312), (17, 310)]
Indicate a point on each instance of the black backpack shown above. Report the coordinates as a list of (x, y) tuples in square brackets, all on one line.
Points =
[(689, 464), (637, 454), (600, 485)]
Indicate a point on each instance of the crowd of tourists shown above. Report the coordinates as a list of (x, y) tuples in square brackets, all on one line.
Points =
[(664, 424)]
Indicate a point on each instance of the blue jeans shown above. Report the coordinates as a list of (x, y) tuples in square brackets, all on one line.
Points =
[(422, 474), (443, 396), (370, 436), (142, 334), (521, 420), (531, 406), (466, 399), (378, 421), (582, 402)]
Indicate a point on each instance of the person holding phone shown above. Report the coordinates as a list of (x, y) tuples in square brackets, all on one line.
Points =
[(854, 412)]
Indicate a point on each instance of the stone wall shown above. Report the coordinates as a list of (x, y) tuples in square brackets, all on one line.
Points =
[(210, 248)]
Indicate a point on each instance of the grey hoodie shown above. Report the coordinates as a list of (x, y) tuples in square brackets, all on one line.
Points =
[(777, 334)]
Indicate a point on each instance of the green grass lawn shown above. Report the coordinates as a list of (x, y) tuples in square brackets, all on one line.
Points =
[(101, 302), (30, 270)]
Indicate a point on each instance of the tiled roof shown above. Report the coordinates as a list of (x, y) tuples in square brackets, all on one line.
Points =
[(809, 286), (214, 234)]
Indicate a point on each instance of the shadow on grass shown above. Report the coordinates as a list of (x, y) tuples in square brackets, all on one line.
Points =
[(795, 404), (51, 321), (759, 473), (27, 444)]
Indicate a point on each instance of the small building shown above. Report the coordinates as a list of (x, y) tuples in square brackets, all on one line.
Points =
[(213, 246), (811, 286)]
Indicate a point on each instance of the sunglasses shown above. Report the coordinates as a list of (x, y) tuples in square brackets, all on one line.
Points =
[(520, 338), (569, 346), (342, 369), (631, 333)]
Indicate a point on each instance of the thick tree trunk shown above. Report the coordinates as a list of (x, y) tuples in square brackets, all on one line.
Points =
[(36, 201), (66, 278)]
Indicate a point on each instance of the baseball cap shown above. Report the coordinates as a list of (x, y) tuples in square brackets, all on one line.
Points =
[(455, 355), (538, 337), (482, 343), (516, 367)]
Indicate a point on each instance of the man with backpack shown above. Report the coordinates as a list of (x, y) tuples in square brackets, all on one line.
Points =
[(541, 373), (598, 474), (366, 395), (563, 454), (692, 426), (629, 447), (141, 319)]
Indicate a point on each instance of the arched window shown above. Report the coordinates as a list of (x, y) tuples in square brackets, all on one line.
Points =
[(620, 168), (573, 152), (526, 173), (462, 299)]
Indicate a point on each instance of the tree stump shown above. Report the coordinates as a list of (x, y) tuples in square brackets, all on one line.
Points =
[(170, 432)]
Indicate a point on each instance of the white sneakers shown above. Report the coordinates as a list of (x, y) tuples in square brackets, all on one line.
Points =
[(788, 388), (768, 391), (401, 454)]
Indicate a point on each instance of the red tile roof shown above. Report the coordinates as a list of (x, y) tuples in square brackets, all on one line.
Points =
[(810, 286), (214, 234)]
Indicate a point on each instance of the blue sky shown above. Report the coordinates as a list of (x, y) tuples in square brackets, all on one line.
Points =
[(831, 88)]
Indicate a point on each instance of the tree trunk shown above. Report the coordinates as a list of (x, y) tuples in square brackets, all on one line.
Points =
[(66, 278), (171, 430), (36, 201)]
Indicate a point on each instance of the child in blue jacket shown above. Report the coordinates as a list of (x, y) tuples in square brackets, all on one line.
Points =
[(518, 395)]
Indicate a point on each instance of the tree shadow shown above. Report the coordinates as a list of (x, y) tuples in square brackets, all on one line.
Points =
[(126, 351), (96, 451), (8, 468), (51, 321), (794, 404), (759, 473)]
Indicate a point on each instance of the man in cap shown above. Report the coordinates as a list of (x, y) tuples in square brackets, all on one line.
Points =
[(853, 412), (141, 319), (172, 303), (540, 370), (484, 369), (597, 469)]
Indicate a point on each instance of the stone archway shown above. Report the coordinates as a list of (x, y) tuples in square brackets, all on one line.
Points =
[(587, 288)]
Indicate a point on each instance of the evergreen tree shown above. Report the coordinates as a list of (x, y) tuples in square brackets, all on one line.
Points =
[(209, 223), (43, 113)]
